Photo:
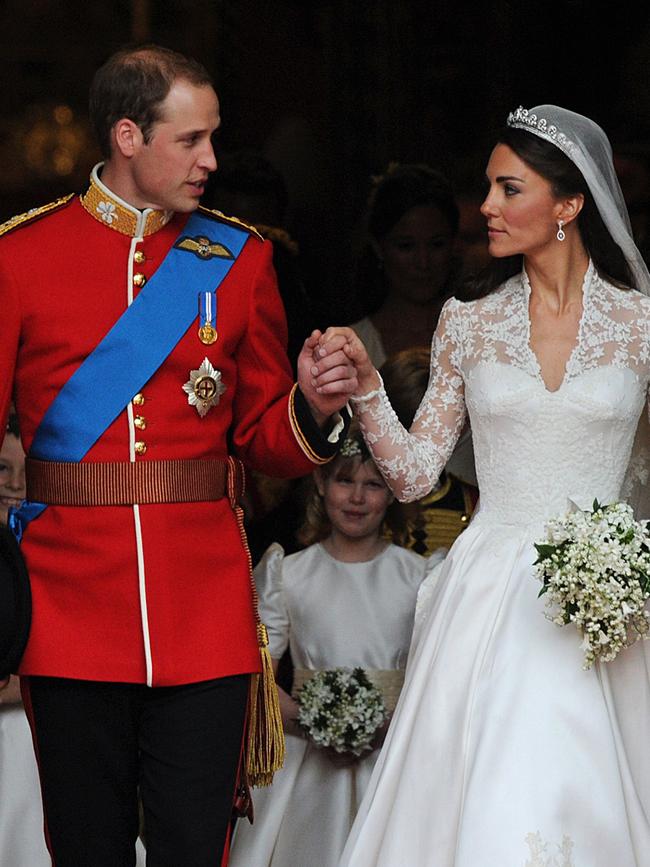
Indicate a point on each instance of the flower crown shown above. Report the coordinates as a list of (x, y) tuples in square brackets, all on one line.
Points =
[(523, 119), (353, 448)]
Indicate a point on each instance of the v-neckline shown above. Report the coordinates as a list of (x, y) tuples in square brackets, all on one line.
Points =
[(586, 286)]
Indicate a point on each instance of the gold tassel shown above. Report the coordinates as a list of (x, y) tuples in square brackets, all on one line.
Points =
[(265, 741), (265, 734)]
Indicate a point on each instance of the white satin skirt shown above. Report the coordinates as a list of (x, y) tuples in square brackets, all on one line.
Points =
[(503, 751)]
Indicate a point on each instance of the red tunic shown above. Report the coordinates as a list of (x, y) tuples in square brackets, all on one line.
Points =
[(160, 593)]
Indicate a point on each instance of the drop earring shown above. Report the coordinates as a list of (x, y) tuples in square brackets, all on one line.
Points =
[(560, 231)]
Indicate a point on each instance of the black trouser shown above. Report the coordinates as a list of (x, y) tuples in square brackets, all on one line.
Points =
[(99, 744)]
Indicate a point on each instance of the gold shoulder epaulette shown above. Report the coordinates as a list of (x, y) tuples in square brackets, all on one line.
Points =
[(34, 214), (218, 215), (279, 236)]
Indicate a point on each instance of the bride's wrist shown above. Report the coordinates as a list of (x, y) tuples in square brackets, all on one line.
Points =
[(369, 386)]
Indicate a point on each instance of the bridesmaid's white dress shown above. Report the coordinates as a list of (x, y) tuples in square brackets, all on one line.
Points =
[(22, 836), (503, 751), (330, 614)]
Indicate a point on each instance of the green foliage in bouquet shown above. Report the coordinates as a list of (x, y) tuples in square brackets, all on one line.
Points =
[(342, 709), (594, 566)]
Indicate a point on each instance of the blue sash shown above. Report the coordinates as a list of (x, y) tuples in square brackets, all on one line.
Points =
[(132, 351)]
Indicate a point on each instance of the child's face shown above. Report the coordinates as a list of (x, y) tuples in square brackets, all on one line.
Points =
[(355, 498), (12, 475)]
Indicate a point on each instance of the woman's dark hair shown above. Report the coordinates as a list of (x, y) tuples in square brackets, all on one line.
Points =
[(400, 188), (566, 180), (408, 186), (133, 83)]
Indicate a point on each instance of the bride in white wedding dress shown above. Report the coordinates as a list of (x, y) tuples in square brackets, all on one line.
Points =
[(503, 751)]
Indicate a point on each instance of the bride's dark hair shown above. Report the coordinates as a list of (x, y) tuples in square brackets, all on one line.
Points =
[(566, 180)]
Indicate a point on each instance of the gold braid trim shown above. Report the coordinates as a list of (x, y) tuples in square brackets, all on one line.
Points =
[(34, 214), (299, 435), (264, 749), (218, 215)]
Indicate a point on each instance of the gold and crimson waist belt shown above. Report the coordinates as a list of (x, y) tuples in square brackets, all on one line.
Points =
[(121, 483)]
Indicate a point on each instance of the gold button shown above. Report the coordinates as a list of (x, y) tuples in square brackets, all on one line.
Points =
[(464, 519), (140, 447), (140, 422), (139, 257), (138, 400), (139, 280)]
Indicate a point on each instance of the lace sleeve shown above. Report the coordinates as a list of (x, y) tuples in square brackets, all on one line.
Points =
[(411, 461)]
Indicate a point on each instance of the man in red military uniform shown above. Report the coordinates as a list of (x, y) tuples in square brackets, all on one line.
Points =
[(143, 632)]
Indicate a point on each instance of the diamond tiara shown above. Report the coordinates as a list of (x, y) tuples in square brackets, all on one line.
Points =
[(523, 119)]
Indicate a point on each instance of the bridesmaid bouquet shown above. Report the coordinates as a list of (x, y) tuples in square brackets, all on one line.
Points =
[(595, 571), (342, 709)]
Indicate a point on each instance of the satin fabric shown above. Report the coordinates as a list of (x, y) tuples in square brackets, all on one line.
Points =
[(333, 614), (503, 751)]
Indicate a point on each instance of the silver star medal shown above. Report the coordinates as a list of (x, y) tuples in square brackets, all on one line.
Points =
[(204, 388)]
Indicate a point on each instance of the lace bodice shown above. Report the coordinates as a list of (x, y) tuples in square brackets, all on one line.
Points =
[(533, 447)]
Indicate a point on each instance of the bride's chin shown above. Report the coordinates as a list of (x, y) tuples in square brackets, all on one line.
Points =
[(498, 252)]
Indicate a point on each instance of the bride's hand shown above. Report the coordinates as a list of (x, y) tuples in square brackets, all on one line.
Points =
[(338, 338)]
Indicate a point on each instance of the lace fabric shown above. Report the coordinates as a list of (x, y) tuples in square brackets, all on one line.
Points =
[(487, 673), (533, 446), (587, 146)]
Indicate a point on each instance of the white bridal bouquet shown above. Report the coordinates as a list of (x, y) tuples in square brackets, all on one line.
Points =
[(342, 709), (595, 571)]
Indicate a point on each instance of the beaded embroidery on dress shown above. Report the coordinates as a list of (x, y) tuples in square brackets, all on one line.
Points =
[(501, 744)]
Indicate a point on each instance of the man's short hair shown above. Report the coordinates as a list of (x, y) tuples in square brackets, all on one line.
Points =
[(133, 83)]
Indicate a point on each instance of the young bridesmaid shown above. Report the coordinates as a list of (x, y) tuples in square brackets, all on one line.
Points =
[(345, 600)]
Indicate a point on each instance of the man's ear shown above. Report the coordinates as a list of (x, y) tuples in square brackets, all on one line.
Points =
[(127, 137)]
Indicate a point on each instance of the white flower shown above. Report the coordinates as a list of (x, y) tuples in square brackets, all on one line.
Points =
[(342, 709), (108, 212), (594, 566)]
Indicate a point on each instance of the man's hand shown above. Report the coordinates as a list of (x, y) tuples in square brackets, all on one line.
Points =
[(326, 376), (340, 339)]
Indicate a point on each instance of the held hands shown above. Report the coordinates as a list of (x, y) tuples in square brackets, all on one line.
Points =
[(333, 367), (341, 339)]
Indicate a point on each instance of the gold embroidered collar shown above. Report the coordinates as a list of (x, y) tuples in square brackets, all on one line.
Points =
[(117, 214)]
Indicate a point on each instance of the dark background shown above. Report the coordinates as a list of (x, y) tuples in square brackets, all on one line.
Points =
[(332, 92)]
